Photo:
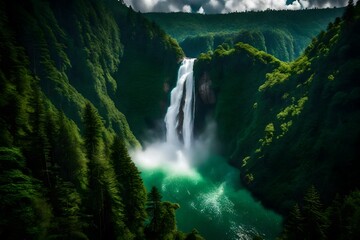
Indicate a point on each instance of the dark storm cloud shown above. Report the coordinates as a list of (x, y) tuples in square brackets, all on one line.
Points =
[(224, 6)]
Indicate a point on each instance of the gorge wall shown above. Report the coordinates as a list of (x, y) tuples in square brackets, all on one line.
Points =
[(288, 126)]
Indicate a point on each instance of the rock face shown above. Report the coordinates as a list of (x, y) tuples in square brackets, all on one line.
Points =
[(179, 127), (206, 92)]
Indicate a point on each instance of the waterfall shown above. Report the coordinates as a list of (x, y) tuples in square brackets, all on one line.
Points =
[(179, 118)]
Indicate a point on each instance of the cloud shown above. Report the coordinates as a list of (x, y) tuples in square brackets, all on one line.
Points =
[(201, 10), (225, 6), (186, 8)]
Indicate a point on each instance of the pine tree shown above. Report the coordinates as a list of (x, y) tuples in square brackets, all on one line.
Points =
[(69, 155), (314, 218), (132, 188), (66, 204), (93, 145), (293, 228), (351, 216), (24, 211), (168, 227), (37, 148), (93, 131), (336, 223), (104, 201), (154, 211)]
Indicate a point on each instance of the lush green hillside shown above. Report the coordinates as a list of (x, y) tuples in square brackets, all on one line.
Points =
[(79, 50), (66, 53), (65, 172), (288, 126), (277, 42), (147, 71), (284, 34)]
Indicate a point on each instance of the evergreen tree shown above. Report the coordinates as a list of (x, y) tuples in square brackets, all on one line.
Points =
[(293, 228), (351, 216), (38, 147), (336, 223), (66, 203), (154, 211), (93, 131), (103, 201), (24, 211), (167, 224), (314, 218), (93, 147), (69, 155), (132, 188)]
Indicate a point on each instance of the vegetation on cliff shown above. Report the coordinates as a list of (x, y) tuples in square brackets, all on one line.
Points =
[(288, 126), (284, 34), (65, 171)]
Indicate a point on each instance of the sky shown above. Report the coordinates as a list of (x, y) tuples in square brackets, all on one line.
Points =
[(226, 6)]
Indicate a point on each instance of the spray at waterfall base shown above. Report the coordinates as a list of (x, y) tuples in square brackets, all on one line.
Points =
[(189, 172)]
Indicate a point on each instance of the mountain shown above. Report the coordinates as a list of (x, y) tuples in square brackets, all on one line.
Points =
[(288, 126), (72, 70), (284, 34), (68, 69)]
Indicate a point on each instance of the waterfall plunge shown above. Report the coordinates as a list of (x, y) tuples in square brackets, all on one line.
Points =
[(175, 154), (190, 173), (179, 118)]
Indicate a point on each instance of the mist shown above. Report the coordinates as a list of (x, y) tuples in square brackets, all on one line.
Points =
[(208, 190)]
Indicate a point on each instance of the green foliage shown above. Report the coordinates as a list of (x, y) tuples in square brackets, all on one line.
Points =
[(313, 212), (93, 131), (292, 110), (232, 70), (149, 65), (284, 34), (132, 189), (24, 213), (278, 76), (68, 153), (162, 223), (294, 225), (59, 179), (311, 103), (311, 221), (67, 203), (74, 53), (15, 86), (154, 210), (269, 133), (104, 202), (274, 41), (351, 216)]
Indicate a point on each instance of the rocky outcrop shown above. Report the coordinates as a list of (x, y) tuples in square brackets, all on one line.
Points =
[(206, 92)]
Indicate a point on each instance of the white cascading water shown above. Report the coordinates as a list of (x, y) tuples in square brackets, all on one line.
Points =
[(185, 77), (192, 174)]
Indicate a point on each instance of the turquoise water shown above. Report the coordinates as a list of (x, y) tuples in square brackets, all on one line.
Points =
[(208, 191)]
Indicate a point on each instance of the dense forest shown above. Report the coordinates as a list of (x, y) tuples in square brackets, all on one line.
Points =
[(284, 34), (65, 172), (293, 128), (82, 81)]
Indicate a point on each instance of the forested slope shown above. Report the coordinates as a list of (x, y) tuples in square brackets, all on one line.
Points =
[(290, 126), (284, 34), (65, 172)]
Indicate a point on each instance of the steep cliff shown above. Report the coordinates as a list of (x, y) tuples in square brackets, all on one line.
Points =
[(65, 172), (287, 126), (284, 34)]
